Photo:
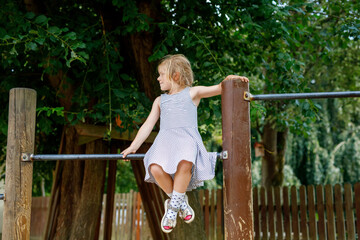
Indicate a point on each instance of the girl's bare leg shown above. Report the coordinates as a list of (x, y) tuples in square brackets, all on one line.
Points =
[(163, 179), (182, 176)]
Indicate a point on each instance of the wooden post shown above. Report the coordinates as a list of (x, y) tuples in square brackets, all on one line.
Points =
[(18, 182), (238, 213)]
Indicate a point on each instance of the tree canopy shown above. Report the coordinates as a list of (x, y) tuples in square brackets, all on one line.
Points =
[(282, 46)]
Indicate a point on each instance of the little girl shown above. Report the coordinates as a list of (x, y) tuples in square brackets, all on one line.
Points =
[(177, 160)]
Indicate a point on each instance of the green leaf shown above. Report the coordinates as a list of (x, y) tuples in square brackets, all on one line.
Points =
[(70, 35), (120, 94), (40, 41), (124, 76), (32, 31), (84, 55), (182, 19), (30, 15), (54, 30), (207, 64), (6, 37), (79, 45), (31, 46), (99, 87), (13, 51), (73, 54), (70, 117), (42, 19)]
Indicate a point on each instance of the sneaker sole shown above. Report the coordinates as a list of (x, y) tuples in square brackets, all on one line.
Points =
[(193, 216)]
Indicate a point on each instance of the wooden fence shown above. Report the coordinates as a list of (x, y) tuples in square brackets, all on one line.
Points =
[(308, 213), (129, 219), (324, 213)]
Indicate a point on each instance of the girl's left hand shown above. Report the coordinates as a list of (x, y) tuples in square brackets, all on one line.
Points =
[(236, 77)]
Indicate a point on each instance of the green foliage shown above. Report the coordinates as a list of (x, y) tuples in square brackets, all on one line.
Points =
[(125, 180), (282, 46)]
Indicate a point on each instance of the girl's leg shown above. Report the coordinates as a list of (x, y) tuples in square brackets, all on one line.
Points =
[(181, 181), (163, 179), (182, 176)]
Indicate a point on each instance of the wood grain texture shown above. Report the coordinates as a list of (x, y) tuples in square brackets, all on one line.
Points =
[(271, 219), (238, 212), (303, 213), (18, 182), (256, 213), (321, 212), (357, 207), (329, 203), (349, 212), (287, 221), (312, 212), (279, 221), (340, 224), (295, 213)]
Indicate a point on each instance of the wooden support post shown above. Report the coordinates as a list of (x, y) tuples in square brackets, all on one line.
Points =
[(18, 182), (238, 214)]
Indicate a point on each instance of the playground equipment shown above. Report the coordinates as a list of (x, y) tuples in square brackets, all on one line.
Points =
[(238, 216)]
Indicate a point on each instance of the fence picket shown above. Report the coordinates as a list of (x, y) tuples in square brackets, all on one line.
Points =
[(340, 225), (303, 213), (122, 214), (212, 215), (128, 216), (138, 217), (113, 228), (206, 214), (295, 213), (279, 228), (101, 232), (330, 212), (271, 219), (312, 212), (357, 207), (133, 233), (264, 228), (256, 213), (219, 215), (287, 221), (349, 212), (321, 212)]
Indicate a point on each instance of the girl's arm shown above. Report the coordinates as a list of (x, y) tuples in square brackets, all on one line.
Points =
[(145, 129), (199, 92)]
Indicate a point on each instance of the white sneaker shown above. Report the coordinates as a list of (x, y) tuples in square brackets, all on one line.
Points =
[(167, 224), (188, 215)]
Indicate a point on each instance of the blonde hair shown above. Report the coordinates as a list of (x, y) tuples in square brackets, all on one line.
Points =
[(178, 63)]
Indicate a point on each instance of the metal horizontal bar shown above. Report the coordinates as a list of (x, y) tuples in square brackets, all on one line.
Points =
[(287, 96), (66, 157)]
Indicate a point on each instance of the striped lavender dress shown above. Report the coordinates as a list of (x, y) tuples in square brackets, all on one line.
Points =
[(179, 139)]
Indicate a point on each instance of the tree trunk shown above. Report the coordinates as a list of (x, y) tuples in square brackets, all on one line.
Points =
[(140, 49), (78, 186), (274, 158), (140, 46), (76, 198)]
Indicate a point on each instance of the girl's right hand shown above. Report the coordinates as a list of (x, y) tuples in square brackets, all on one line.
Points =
[(127, 151)]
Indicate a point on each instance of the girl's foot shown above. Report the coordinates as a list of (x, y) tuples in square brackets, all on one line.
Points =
[(186, 212), (168, 221)]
